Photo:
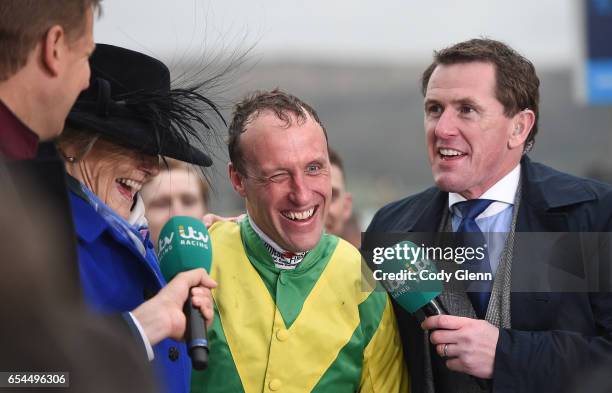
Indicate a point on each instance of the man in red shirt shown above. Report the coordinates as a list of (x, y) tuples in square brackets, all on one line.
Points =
[(44, 52)]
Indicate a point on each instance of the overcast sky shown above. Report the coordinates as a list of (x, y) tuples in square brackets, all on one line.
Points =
[(345, 30)]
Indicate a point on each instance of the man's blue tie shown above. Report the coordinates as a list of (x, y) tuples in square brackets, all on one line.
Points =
[(471, 209)]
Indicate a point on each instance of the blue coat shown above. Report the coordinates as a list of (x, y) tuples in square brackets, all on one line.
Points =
[(116, 278), (554, 336)]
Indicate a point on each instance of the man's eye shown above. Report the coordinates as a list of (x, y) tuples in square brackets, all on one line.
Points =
[(279, 177), (433, 109), (160, 203), (313, 169), (189, 200), (466, 109)]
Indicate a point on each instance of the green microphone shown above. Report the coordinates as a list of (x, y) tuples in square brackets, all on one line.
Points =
[(415, 295), (184, 244)]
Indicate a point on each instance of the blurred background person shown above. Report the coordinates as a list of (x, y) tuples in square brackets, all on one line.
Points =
[(341, 220), (341, 205), (352, 230), (114, 135), (178, 190)]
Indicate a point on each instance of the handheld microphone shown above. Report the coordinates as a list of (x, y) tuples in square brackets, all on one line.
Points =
[(417, 296), (184, 244), (414, 294)]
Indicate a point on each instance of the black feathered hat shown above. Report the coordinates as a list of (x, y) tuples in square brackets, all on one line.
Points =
[(130, 102)]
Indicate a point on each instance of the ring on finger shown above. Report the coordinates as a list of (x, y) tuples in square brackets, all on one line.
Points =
[(444, 350)]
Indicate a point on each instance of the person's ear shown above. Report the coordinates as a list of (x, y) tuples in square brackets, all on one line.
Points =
[(53, 49), (522, 124), (237, 180)]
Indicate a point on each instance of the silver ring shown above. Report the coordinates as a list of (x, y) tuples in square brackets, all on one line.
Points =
[(444, 350)]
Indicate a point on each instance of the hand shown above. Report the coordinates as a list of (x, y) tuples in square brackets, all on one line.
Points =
[(470, 343), (209, 219), (162, 316)]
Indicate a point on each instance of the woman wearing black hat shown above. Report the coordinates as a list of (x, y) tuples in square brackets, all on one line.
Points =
[(116, 132)]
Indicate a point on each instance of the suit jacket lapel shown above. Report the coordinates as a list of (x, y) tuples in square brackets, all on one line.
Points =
[(431, 214)]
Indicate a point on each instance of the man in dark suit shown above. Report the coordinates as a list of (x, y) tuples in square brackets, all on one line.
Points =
[(481, 118)]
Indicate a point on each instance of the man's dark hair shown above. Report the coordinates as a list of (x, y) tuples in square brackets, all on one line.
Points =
[(282, 104), (24, 22), (517, 85)]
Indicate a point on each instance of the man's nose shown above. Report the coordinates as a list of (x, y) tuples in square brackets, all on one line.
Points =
[(447, 125), (300, 190)]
